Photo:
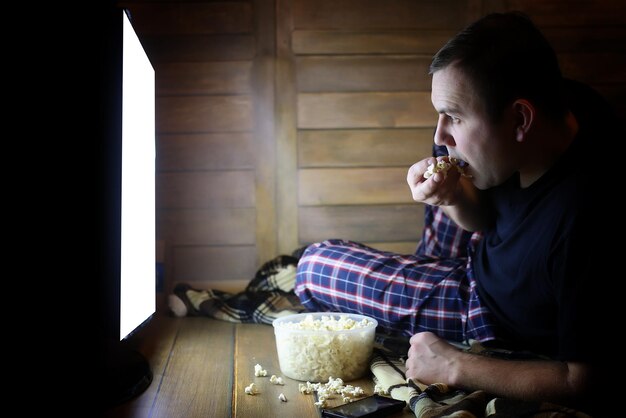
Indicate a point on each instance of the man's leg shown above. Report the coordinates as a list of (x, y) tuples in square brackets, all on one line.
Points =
[(405, 293), (442, 238)]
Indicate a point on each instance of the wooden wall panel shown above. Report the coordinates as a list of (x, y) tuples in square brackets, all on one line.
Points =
[(214, 62), (364, 103), (546, 13), (353, 186), (212, 226), (265, 144), (376, 14), (193, 78), (427, 41), (185, 114), (363, 147), (199, 48), (365, 110), (178, 152), (199, 266), (286, 131), (363, 73), (362, 223), (189, 18), (204, 189)]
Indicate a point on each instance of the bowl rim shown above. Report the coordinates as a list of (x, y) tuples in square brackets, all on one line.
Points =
[(291, 317)]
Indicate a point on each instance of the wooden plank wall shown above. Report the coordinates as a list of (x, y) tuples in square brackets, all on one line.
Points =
[(215, 139), (285, 122), (364, 114)]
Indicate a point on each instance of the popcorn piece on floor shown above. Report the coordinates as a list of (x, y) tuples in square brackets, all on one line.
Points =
[(276, 380), (282, 397), (328, 390), (252, 389), (321, 403), (352, 391), (306, 388), (380, 390), (259, 371)]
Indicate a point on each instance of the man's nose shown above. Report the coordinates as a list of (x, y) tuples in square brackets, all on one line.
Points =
[(442, 136)]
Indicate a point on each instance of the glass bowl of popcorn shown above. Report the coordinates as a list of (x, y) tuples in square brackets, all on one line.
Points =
[(318, 345)]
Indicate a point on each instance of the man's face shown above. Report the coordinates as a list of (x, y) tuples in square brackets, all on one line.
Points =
[(467, 132)]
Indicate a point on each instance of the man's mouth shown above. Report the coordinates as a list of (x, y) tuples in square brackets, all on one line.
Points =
[(461, 165)]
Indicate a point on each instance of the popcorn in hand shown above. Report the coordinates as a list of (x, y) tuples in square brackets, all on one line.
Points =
[(443, 166)]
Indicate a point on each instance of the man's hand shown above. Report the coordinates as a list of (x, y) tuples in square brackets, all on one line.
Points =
[(431, 359), (440, 189), (455, 193)]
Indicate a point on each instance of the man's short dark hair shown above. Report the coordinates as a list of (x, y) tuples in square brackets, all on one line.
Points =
[(506, 58)]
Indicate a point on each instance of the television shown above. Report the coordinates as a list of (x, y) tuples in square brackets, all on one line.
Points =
[(127, 279)]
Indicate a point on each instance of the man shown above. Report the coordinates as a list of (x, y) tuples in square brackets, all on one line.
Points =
[(527, 277)]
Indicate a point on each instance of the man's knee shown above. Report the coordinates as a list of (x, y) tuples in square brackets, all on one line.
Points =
[(318, 257)]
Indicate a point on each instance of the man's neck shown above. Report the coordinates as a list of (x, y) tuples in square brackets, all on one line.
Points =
[(551, 140)]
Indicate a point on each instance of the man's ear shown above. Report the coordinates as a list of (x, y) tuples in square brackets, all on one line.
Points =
[(524, 112)]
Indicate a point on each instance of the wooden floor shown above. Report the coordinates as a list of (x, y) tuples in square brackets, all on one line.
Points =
[(201, 367)]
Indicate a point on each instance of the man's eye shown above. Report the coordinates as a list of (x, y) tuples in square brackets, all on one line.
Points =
[(453, 119)]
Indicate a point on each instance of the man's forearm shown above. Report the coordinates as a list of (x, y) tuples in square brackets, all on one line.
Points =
[(469, 211), (540, 380)]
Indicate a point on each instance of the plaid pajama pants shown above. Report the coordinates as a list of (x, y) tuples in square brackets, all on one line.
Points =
[(431, 290)]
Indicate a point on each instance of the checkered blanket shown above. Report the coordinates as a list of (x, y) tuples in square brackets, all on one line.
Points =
[(269, 295)]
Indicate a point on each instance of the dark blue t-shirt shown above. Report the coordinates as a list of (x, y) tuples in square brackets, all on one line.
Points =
[(541, 265), (519, 263)]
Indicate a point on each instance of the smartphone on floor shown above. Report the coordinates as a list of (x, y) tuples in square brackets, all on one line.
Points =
[(375, 406)]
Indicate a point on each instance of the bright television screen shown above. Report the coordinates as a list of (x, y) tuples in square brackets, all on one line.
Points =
[(138, 235)]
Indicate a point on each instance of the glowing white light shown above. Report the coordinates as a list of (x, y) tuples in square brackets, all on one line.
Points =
[(138, 262)]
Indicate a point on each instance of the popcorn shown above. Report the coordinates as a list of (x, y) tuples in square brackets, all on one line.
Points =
[(380, 390), (259, 371), (316, 354), (443, 166), (352, 391), (276, 380), (327, 391), (440, 167), (251, 389), (327, 323), (305, 389)]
